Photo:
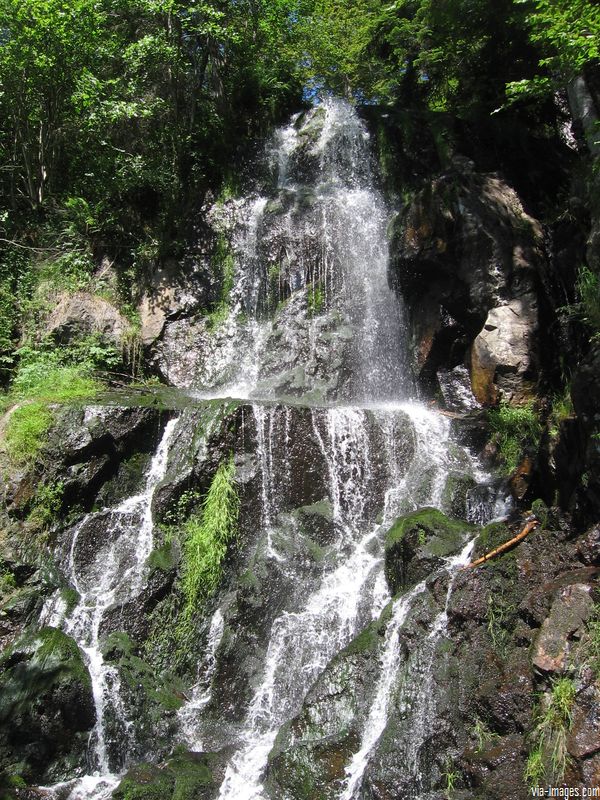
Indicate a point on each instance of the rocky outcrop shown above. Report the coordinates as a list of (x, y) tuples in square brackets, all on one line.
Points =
[(173, 291), (185, 776), (87, 448), (465, 255), (82, 314)]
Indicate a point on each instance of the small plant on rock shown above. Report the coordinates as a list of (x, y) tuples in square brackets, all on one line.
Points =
[(549, 757), (483, 734), (451, 777)]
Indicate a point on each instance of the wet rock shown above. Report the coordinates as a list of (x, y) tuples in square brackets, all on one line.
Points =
[(497, 769), (46, 705), (582, 461), (311, 752), (584, 734), (570, 609), (591, 771), (82, 314), (588, 546), (455, 385), (505, 698), (86, 447), (417, 543)]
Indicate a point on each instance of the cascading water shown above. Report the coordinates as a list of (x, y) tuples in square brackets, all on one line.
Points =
[(318, 247)]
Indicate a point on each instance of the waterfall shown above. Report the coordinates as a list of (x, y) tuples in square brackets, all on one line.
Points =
[(333, 446), (311, 312)]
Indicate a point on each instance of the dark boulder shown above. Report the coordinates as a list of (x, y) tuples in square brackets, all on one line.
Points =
[(46, 706)]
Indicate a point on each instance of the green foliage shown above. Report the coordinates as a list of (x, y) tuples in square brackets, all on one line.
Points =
[(315, 299), (515, 429), (7, 582), (549, 757), (46, 376), (562, 409), (535, 768), (566, 34), (588, 289), (58, 374), (451, 777), (207, 535), (46, 505)]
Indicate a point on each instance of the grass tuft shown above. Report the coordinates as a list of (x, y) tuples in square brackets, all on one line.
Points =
[(549, 757)]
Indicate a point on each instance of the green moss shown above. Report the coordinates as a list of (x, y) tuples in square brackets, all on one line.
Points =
[(371, 637), (428, 520), (163, 558), (186, 776), (491, 536), (145, 782), (70, 597)]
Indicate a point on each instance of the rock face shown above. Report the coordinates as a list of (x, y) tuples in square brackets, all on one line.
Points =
[(81, 314), (172, 292), (465, 256)]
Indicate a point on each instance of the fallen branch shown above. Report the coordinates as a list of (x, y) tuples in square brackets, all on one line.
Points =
[(531, 525)]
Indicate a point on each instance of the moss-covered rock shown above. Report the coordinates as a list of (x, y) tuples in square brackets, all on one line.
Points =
[(186, 776), (417, 542), (46, 705)]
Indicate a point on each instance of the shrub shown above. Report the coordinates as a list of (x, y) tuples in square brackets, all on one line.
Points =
[(588, 289)]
